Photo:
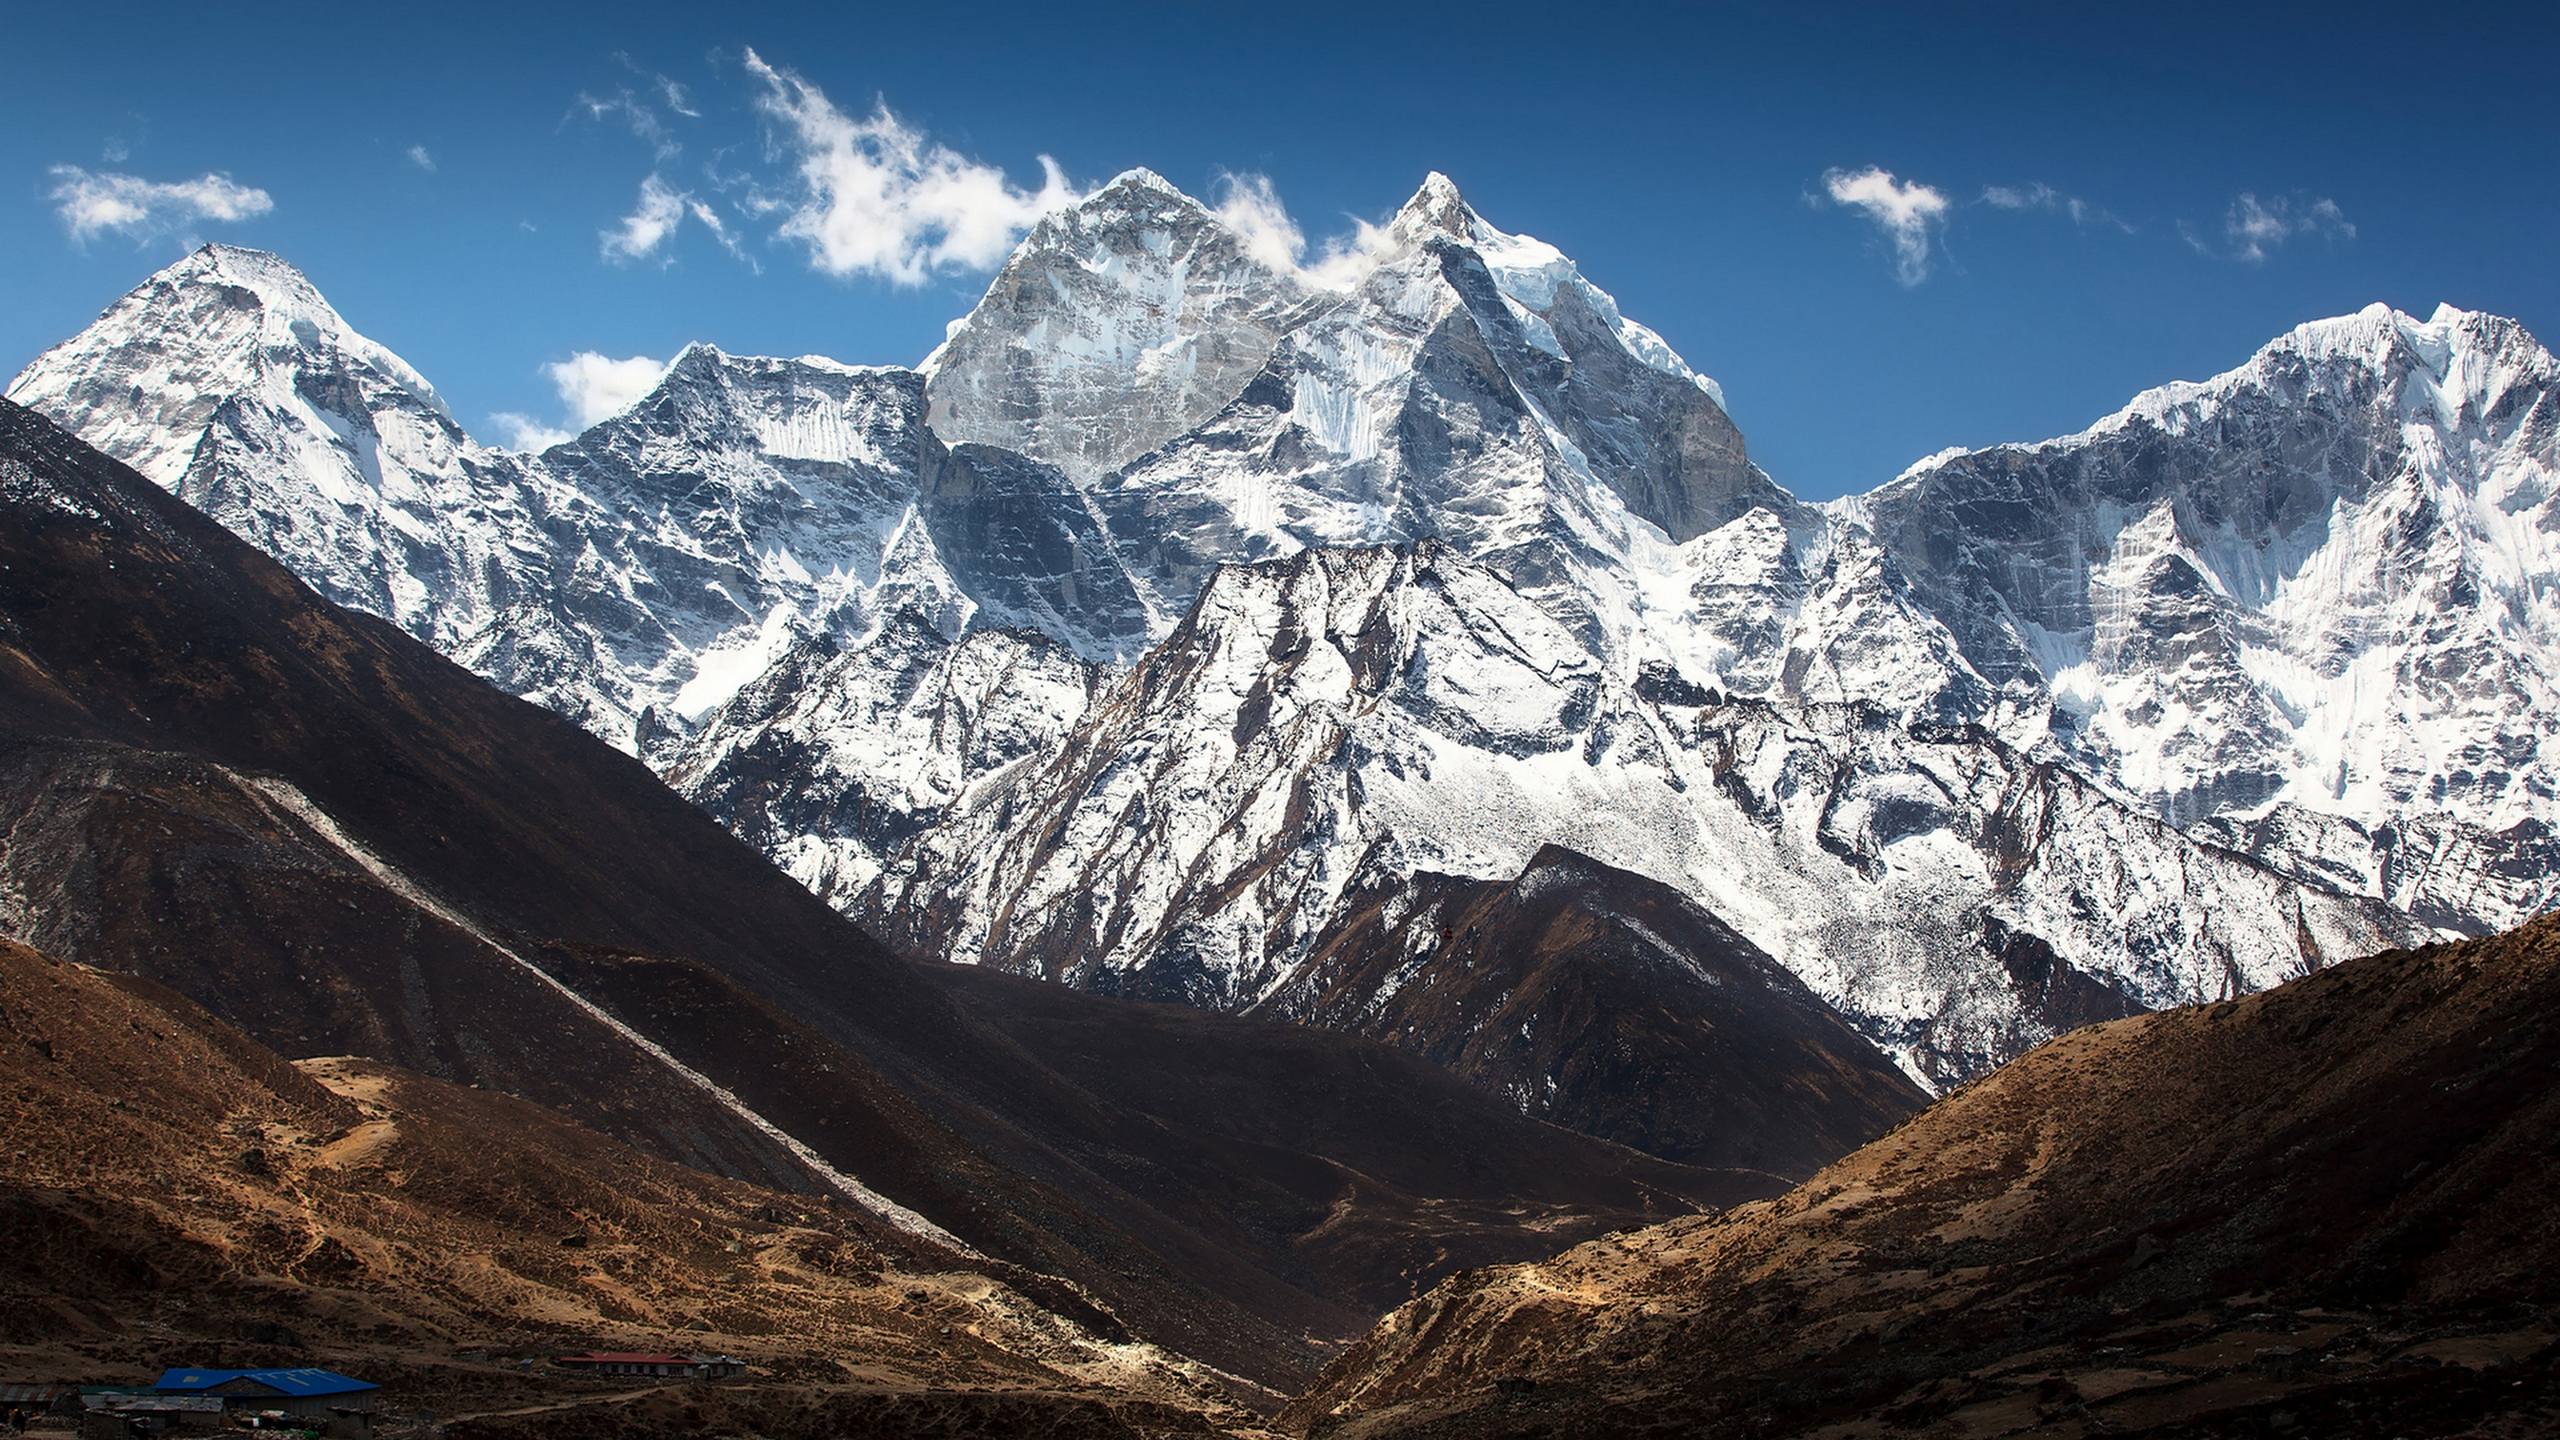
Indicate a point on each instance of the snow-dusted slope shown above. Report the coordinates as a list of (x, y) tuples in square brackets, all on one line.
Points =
[(1319, 721), (1472, 388), (2312, 604), (836, 755), (229, 380), (633, 578), (739, 507), (747, 504)]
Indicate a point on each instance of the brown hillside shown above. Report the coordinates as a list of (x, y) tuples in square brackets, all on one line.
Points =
[(176, 1191), (2321, 1211)]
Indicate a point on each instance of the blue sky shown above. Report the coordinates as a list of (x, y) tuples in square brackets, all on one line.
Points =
[(2237, 172)]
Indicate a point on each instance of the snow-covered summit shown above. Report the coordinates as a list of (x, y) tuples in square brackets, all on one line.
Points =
[(2318, 594), (1435, 207), (1119, 322), (1140, 178), (220, 322), (228, 379), (2461, 361)]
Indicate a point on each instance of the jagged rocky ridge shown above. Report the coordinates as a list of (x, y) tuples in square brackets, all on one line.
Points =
[(964, 649)]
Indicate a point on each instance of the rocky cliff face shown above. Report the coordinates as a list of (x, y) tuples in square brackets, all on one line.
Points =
[(1182, 593), (1321, 723), (1119, 324), (2325, 584), (835, 756), (1606, 1003)]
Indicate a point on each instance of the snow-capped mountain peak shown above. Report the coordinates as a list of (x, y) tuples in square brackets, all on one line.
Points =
[(2311, 601), (221, 322), (2459, 361), (1119, 322), (1139, 178), (1436, 208)]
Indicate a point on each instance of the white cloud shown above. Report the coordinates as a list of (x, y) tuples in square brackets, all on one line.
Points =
[(2040, 196), (419, 157), (729, 240), (876, 197), (653, 218), (523, 432), (596, 387), (2253, 228), (116, 151), (90, 203), (670, 91), (592, 387), (1250, 206), (1908, 213)]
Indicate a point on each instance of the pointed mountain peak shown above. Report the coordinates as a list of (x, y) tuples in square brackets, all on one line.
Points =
[(2382, 338), (1111, 215), (236, 259), (700, 356), (1132, 192), (1139, 180), (1437, 208), (222, 320)]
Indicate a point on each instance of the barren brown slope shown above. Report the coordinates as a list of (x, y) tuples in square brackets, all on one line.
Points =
[(333, 838), (2325, 1210), (1607, 1003), (1437, 1173), (174, 1190)]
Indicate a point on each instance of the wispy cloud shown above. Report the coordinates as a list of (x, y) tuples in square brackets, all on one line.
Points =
[(2253, 229), (656, 215), (670, 92), (710, 220), (624, 107), (1250, 206), (874, 196), (1908, 212), (119, 147), (419, 157), (90, 203), (2043, 197)]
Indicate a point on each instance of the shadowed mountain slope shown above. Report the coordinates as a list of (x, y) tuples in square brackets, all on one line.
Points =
[(1606, 1003), (343, 844), (2324, 1210)]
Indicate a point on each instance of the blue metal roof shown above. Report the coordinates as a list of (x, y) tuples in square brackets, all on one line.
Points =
[(295, 1384)]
